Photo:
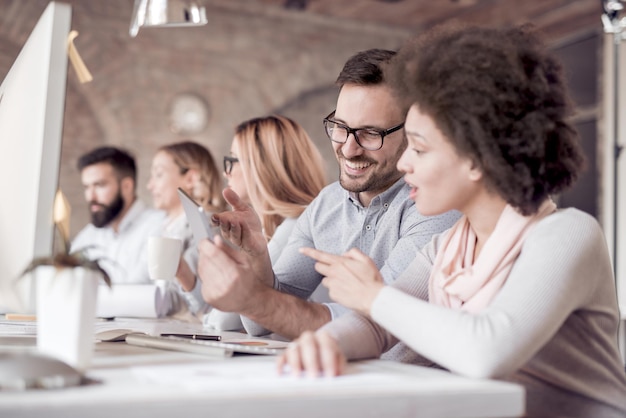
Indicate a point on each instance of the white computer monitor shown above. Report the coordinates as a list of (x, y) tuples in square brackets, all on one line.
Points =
[(32, 101)]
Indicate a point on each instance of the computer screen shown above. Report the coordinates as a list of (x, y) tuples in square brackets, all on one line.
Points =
[(32, 101)]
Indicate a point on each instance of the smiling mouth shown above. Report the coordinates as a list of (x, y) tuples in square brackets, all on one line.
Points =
[(356, 168)]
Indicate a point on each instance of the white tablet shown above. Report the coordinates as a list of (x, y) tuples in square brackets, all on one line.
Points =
[(197, 218)]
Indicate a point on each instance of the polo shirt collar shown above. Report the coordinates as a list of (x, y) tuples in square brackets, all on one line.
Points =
[(386, 196)]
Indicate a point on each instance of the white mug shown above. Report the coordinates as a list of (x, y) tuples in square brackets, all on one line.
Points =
[(163, 257)]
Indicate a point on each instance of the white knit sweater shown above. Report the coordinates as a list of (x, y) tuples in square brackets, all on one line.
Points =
[(552, 327)]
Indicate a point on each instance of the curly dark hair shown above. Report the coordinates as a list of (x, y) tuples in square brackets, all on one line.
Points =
[(500, 99)]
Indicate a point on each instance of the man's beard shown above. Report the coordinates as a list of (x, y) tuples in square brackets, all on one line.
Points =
[(379, 180), (376, 182), (108, 213)]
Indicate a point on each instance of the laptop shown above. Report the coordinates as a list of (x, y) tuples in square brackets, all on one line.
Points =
[(209, 348)]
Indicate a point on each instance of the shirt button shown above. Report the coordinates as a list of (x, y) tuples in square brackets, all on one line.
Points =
[(368, 227)]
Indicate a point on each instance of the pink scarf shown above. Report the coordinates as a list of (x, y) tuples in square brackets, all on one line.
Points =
[(458, 282)]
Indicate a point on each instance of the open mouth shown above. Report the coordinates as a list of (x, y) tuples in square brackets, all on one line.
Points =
[(356, 167)]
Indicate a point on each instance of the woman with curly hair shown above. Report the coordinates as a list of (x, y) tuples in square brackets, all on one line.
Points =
[(518, 289)]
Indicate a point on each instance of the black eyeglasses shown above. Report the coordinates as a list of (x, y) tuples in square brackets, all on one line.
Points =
[(228, 163), (368, 138)]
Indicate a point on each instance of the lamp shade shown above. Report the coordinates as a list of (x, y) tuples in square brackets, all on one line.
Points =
[(164, 13)]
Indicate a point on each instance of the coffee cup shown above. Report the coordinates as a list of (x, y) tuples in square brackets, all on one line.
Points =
[(163, 257)]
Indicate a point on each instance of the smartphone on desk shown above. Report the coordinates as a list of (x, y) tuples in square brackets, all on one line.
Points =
[(197, 217)]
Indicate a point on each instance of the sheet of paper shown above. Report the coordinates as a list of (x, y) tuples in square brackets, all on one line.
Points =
[(20, 328), (148, 326), (250, 373)]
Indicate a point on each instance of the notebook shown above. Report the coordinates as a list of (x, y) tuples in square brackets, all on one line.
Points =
[(209, 348)]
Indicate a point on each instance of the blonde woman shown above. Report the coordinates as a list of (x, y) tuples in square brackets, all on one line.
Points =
[(274, 167), (190, 166)]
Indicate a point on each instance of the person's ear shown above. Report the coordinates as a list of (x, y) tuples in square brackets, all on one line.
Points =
[(192, 177), (475, 172), (127, 185)]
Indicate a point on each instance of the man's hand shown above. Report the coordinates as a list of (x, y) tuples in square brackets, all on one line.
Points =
[(241, 226), (229, 281)]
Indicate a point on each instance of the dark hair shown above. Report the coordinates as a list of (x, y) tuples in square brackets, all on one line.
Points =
[(499, 97), (365, 68), (122, 161)]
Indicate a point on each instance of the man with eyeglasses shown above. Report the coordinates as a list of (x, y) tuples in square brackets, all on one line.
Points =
[(368, 208)]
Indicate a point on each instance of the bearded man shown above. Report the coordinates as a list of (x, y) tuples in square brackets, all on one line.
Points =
[(120, 222)]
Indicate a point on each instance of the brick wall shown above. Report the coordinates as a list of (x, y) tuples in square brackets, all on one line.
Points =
[(248, 61)]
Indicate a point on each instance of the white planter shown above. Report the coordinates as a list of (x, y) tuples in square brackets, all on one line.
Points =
[(66, 310)]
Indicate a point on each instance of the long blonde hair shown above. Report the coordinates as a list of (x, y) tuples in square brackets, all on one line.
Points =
[(282, 168), (207, 191)]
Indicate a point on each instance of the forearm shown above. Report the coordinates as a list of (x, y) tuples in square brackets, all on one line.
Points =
[(262, 265), (287, 315), (185, 276), (253, 328), (359, 337)]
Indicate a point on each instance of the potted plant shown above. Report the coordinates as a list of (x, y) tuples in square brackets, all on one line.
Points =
[(66, 287)]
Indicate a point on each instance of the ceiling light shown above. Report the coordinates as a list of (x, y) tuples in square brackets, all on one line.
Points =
[(161, 13)]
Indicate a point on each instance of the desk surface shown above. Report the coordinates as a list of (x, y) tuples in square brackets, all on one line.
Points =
[(144, 382)]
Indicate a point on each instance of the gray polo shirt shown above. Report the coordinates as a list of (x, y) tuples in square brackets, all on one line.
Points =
[(389, 230)]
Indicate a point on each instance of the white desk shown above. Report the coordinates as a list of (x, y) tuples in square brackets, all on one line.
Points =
[(142, 382)]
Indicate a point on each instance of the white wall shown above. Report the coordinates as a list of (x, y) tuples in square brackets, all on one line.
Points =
[(614, 221)]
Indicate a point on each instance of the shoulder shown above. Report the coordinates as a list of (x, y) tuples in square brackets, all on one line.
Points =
[(146, 214), (569, 222), (151, 214), (332, 195), (569, 235), (285, 226), (142, 210), (331, 191), (90, 236), (280, 238), (84, 234), (144, 219), (415, 222)]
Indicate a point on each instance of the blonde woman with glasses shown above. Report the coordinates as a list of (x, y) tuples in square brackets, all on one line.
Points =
[(274, 167)]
